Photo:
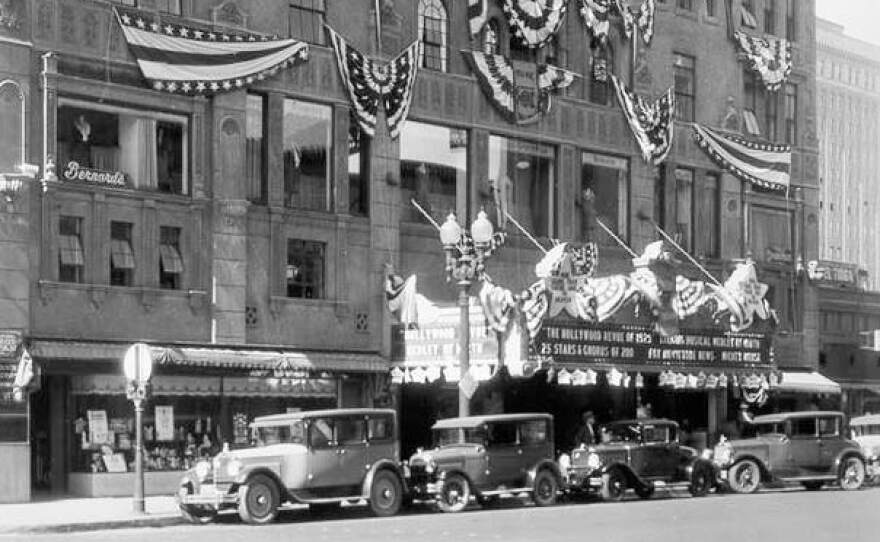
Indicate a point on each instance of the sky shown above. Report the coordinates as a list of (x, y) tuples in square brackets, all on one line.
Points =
[(859, 17)]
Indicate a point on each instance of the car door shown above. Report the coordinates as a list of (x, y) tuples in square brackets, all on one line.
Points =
[(803, 448), (660, 451), (534, 441), (831, 441), (323, 457), (351, 452), (380, 438), (504, 455)]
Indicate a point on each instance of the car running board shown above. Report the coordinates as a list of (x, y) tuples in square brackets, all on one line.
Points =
[(511, 491), (808, 479)]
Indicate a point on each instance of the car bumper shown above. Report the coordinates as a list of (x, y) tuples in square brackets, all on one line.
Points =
[(213, 495), (425, 490), (583, 479)]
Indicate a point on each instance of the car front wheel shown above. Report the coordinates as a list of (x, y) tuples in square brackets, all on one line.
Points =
[(852, 473), (455, 494), (744, 477), (613, 485), (545, 488), (701, 480), (258, 500), (386, 494)]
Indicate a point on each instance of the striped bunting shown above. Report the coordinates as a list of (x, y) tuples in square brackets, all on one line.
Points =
[(478, 13), (596, 15), (183, 59), (770, 57), (764, 164), (535, 21)]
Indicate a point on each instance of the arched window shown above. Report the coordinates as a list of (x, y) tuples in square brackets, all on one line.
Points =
[(490, 39), (432, 32)]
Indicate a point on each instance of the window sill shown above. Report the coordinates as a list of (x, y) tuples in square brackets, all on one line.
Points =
[(277, 304), (97, 293), (74, 186)]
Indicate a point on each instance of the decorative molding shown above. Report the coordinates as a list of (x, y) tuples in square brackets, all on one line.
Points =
[(229, 14)]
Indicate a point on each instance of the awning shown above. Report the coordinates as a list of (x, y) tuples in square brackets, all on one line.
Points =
[(807, 382)]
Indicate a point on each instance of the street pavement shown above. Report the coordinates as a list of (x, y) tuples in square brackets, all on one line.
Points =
[(775, 515)]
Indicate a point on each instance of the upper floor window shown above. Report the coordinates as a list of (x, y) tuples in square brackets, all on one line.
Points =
[(791, 106), (751, 103), (684, 68), (114, 146), (255, 149), (710, 8), (771, 111), (307, 151), (306, 20), (683, 229), (170, 261), (305, 269), (527, 171), (599, 89), (491, 45), (770, 16), (358, 169), (791, 20), (770, 234), (747, 14), (433, 169), (70, 249), (121, 254), (607, 180), (686, 4), (432, 32), (709, 217)]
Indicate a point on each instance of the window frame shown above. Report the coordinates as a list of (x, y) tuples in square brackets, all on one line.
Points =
[(314, 9), (321, 286), (434, 10), (791, 20), (328, 159), (596, 87), (78, 269), (688, 242), (174, 278), (713, 250), (624, 214), (791, 112), (682, 97), (260, 196), (770, 16), (127, 276)]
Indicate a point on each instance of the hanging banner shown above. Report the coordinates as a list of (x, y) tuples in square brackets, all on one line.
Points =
[(770, 57), (535, 22), (764, 164), (182, 59), (651, 122), (368, 82)]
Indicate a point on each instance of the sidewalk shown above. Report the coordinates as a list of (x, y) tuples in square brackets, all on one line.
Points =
[(76, 514)]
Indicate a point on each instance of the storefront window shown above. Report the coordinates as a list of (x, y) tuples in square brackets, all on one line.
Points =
[(307, 151), (529, 170), (607, 178), (358, 169), (148, 150), (771, 234), (433, 170)]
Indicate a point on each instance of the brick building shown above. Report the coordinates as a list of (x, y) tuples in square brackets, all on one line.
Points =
[(249, 243)]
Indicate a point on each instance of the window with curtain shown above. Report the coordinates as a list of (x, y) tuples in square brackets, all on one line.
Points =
[(306, 20), (607, 177), (684, 72), (683, 228), (528, 170), (751, 103), (148, 149), (71, 260), (170, 260), (305, 272), (433, 170), (255, 149), (490, 38), (709, 217), (791, 106), (433, 33), (122, 263), (771, 234), (307, 152), (358, 169), (770, 16)]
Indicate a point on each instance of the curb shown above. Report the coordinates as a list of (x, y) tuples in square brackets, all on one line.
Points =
[(132, 523)]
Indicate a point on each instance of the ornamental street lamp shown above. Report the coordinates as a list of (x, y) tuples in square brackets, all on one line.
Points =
[(465, 257), (138, 365)]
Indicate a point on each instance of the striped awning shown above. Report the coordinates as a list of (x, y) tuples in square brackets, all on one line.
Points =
[(807, 382)]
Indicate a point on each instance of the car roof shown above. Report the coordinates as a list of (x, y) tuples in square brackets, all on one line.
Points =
[(645, 421), (868, 419), (292, 416), (476, 421), (782, 416)]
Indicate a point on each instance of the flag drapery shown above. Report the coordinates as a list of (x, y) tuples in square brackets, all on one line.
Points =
[(495, 75), (178, 58), (643, 19), (764, 164), (770, 57), (478, 14), (368, 82), (535, 21), (596, 15), (651, 123)]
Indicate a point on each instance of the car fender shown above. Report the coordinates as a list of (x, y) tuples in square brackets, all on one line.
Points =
[(843, 455), (632, 479), (548, 464), (247, 473), (766, 475), (443, 474), (383, 464)]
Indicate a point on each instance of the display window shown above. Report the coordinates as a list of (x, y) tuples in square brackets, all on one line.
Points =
[(526, 173), (433, 170)]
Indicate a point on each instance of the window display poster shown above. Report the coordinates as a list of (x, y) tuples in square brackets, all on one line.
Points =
[(164, 423), (115, 463), (99, 433)]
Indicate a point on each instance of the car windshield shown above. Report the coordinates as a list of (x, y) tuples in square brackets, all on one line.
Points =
[(763, 429), (624, 432), (459, 435), (288, 433)]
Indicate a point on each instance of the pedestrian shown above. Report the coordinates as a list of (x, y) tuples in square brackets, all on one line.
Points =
[(586, 433)]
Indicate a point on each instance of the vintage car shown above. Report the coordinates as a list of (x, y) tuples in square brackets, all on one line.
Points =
[(321, 458), (865, 431), (486, 457), (809, 448), (640, 454)]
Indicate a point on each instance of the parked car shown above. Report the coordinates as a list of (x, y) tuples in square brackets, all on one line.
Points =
[(810, 448), (866, 432), (486, 457), (638, 454), (321, 458)]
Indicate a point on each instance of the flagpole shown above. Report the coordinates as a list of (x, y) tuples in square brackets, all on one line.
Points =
[(616, 238), (425, 214), (378, 28), (525, 232), (680, 249)]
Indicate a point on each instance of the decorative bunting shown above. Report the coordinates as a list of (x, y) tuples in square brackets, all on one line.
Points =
[(764, 164), (770, 57), (614, 377), (182, 59), (397, 375), (368, 82), (643, 20), (650, 123), (743, 297), (452, 374), (596, 15), (563, 378), (534, 22), (521, 99), (578, 378), (478, 14), (535, 302), (640, 381), (498, 305)]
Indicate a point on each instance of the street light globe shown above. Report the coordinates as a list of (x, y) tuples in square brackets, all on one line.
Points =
[(481, 229), (450, 231)]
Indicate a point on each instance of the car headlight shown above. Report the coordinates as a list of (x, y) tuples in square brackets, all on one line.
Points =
[(722, 454), (233, 468), (594, 461), (564, 462), (430, 466), (203, 469)]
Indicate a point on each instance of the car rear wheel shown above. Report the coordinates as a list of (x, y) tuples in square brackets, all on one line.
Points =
[(197, 514), (852, 473), (815, 485), (701, 480), (386, 494), (546, 488), (258, 500), (613, 485), (745, 476), (455, 494)]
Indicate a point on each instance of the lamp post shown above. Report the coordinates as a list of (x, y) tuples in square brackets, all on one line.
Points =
[(138, 365), (466, 253)]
